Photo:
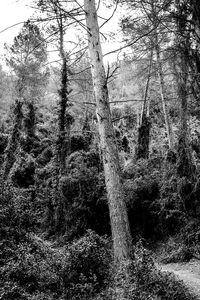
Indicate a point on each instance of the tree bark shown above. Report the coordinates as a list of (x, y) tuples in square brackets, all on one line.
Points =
[(162, 93), (145, 102), (184, 162), (142, 148), (64, 122), (114, 185)]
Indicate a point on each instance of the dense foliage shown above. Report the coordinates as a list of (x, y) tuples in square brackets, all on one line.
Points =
[(54, 224)]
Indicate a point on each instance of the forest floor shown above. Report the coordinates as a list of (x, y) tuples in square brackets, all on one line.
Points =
[(188, 272)]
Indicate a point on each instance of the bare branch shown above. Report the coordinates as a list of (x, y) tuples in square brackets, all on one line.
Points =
[(122, 101), (124, 117), (111, 15), (132, 43), (16, 24), (113, 72)]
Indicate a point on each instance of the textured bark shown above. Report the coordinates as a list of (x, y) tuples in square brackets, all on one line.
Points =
[(184, 161), (162, 93), (145, 102), (142, 149), (114, 185), (63, 126), (195, 61)]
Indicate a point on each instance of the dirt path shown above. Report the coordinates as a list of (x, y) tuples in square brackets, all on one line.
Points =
[(189, 273)]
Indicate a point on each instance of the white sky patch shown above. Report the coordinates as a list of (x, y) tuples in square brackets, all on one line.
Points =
[(12, 12), (16, 11)]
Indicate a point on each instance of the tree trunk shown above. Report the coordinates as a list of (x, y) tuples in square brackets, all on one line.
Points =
[(162, 93), (145, 102), (142, 148), (184, 162), (114, 185), (63, 132), (64, 129)]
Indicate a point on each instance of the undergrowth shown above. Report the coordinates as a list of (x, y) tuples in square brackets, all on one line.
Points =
[(141, 280)]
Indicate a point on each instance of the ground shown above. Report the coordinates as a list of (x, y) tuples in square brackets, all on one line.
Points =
[(188, 272)]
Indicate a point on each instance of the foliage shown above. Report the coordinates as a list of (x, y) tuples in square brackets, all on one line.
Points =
[(26, 57), (37, 201), (142, 191), (144, 281), (142, 149), (86, 270), (84, 195), (33, 269), (23, 171), (3, 143)]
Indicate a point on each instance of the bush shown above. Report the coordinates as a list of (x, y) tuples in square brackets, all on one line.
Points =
[(171, 221), (86, 269), (22, 262), (44, 158), (23, 171), (144, 281), (142, 191), (84, 197), (32, 272), (78, 143), (175, 192)]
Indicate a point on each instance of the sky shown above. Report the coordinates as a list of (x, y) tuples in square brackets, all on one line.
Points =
[(16, 11), (12, 12)]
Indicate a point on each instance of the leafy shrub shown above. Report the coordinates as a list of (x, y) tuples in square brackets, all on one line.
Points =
[(84, 195), (145, 281), (185, 167), (190, 235), (182, 254), (86, 269), (78, 143), (45, 156), (185, 189), (16, 212), (32, 271), (74, 202), (171, 221), (23, 171), (142, 191), (175, 193)]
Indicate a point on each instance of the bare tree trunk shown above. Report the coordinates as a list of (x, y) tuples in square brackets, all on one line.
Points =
[(142, 148), (162, 93), (145, 102), (184, 162), (117, 206), (195, 62)]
